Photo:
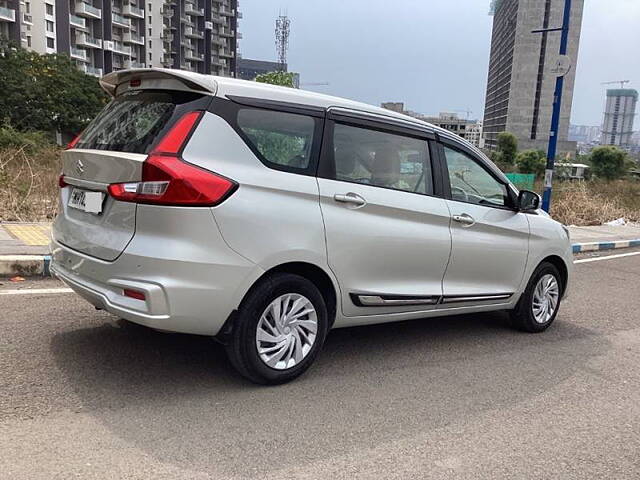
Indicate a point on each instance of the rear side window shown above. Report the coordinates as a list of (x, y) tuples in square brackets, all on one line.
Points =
[(133, 121), (283, 139), (380, 159)]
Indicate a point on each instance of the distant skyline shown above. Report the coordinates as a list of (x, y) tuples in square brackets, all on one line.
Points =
[(430, 55)]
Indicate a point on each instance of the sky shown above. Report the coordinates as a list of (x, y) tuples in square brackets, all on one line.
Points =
[(431, 55)]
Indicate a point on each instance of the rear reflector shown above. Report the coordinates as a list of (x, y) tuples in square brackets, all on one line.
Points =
[(134, 294), (61, 182), (169, 180)]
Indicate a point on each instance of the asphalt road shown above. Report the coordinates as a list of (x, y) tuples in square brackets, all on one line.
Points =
[(83, 395)]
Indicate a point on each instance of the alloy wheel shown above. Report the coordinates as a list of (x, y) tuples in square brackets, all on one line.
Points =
[(286, 331), (545, 298)]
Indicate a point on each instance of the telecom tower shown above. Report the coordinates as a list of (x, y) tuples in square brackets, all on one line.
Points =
[(283, 25)]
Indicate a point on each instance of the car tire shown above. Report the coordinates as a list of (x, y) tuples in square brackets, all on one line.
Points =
[(249, 345), (529, 314)]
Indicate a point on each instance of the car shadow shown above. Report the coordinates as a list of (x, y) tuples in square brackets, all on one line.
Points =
[(177, 397)]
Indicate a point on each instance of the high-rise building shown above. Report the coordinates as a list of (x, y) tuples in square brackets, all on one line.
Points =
[(619, 112), (106, 35), (522, 76)]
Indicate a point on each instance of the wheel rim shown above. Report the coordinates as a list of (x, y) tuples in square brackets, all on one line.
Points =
[(545, 298), (286, 331)]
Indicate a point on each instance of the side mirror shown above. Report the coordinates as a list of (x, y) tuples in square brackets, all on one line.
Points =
[(528, 201)]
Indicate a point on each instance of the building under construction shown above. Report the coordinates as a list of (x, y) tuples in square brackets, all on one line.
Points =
[(619, 111), (522, 74)]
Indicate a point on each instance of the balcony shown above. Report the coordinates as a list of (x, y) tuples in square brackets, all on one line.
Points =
[(194, 56), (86, 40), (120, 21), (225, 53), (218, 41), (133, 11), (7, 14), (89, 70), (192, 33), (86, 10), (77, 22), (130, 37), (186, 20), (79, 54), (166, 11), (193, 10), (226, 32), (27, 19), (121, 49), (227, 13), (137, 65)]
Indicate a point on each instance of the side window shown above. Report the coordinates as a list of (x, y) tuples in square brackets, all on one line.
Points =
[(471, 183), (381, 159), (284, 139)]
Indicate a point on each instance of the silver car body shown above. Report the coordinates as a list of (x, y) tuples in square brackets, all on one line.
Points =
[(399, 256)]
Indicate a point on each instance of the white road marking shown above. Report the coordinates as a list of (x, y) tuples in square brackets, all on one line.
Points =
[(608, 257), (35, 291)]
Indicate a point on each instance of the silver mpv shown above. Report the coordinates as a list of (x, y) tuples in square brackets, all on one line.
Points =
[(265, 216)]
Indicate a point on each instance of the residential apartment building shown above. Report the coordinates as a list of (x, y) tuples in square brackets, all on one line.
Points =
[(470, 130), (620, 109), (10, 19), (522, 76), (106, 35)]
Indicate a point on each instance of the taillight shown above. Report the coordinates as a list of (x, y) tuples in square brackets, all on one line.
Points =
[(169, 180), (61, 181), (73, 142)]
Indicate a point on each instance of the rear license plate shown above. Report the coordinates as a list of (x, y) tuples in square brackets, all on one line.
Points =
[(90, 202)]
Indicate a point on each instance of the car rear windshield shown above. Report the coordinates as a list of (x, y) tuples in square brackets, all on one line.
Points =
[(133, 121)]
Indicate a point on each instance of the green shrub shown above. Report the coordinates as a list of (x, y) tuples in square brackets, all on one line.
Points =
[(30, 141)]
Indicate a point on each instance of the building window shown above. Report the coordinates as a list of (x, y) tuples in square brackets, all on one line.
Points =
[(49, 9), (50, 42), (150, 32), (28, 41), (49, 25)]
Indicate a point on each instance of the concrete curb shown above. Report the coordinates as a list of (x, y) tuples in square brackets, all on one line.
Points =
[(33, 265), (593, 246), (25, 265)]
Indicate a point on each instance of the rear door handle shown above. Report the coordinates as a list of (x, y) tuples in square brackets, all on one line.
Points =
[(351, 198), (464, 219)]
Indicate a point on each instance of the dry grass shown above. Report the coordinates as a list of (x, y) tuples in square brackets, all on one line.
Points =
[(596, 202), (29, 192), (29, 184)]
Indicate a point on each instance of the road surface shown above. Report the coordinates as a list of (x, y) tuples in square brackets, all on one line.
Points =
[(83, 395)]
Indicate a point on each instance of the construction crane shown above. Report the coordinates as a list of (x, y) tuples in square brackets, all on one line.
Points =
[(621, 82)]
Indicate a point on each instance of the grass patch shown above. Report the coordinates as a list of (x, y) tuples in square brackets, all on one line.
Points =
[(29, 184)]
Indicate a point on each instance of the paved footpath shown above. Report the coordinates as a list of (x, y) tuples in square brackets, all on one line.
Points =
[(83, 395)]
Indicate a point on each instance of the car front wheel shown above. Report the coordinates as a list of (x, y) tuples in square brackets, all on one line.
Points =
[(539, 304)]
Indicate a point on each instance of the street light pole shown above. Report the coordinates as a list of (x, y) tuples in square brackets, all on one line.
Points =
[(557, 102)]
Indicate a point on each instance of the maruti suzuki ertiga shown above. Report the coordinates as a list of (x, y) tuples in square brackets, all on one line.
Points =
[(266, 216)]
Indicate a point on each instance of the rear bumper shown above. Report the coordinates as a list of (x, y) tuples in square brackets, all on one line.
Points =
[(191, 279)]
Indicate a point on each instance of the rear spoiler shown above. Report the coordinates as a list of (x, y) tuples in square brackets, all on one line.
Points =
[(190, 80)]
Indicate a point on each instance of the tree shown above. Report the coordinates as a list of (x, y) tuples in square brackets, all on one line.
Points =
[(608, 162), (531, 161), (46, 92), (507, 146), (284, 79)]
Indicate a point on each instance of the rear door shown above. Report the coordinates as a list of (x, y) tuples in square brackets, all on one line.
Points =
[(387, 235), (490, 239), (113, 149)]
